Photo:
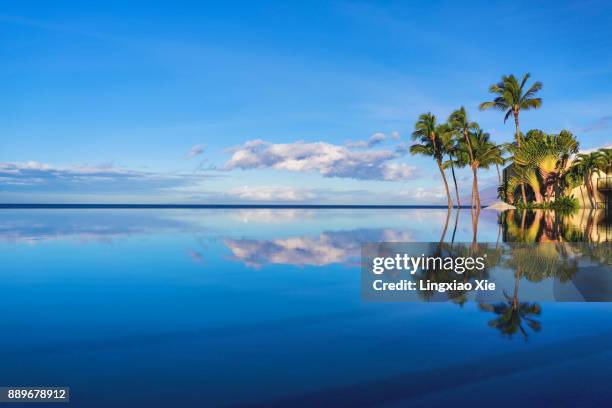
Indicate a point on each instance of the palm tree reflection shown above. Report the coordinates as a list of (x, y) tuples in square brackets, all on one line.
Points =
[(512, 315), (586, 225)]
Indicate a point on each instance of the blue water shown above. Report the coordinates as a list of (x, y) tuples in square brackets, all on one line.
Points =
[(215, 307)]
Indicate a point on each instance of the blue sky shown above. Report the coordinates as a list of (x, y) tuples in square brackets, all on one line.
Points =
[(276, 101)]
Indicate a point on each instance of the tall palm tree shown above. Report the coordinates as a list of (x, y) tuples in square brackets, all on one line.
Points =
[(588, 164), (427, 133), (513, 98), (484, 154), (461, 126)]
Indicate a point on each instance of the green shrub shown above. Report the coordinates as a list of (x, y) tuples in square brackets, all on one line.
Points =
[(564, 203)]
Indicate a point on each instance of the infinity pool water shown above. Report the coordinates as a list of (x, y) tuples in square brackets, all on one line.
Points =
[(191, 308)]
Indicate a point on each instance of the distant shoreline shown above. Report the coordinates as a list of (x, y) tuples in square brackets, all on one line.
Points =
[(219, 206)]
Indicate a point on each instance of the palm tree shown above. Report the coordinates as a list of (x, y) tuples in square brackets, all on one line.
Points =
[(427, 133), (567, 146), (452, 151), (574, 178), (484, 154), (588, 164), (511, 99), (461, 126)]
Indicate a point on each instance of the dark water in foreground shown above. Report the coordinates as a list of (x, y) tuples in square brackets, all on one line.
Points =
[(237, 307)]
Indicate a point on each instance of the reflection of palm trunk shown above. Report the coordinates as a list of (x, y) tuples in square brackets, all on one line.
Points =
[(455, 229), (475, 215), (517, 282), (499, 230), (523, 219), (548, 225), (445, 228)]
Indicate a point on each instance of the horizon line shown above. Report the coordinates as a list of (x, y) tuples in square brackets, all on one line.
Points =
[(222, 206)]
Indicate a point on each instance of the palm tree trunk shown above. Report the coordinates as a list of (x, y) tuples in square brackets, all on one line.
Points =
[(589, 226), (547, 186), (589, 186), (471, 157), (517, 136), (475, 187), (538, 197), (448, 196), (455, 229), (455, 181), (557, 186), (499, 178), (594, 199)]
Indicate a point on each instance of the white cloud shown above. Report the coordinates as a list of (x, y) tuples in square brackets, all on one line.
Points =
[(395, 135), (33, 171), (422, 193), (402, 148), (398, 171), (267, 215), (270, 193), (327, 159), (591, 150), (376, 138), (356, 144), (195, 150), (41, 177)]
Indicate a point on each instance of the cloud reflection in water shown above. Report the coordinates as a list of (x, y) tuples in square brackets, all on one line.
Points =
[(327, 248)]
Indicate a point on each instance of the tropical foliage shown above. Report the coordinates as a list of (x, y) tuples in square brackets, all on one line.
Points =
[(512, 98), (586, 165), (544, 168), (428, 135)]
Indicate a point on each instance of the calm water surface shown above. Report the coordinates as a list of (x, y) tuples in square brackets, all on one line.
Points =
[(262, 307)]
